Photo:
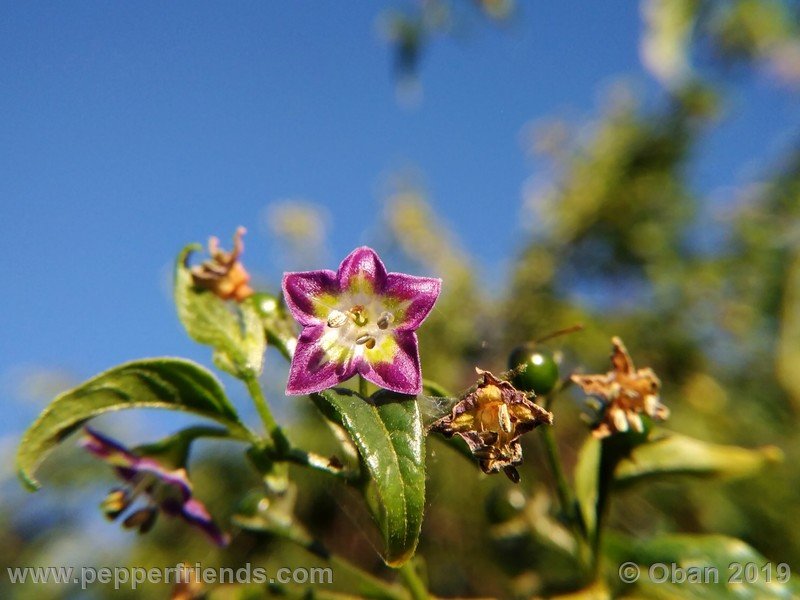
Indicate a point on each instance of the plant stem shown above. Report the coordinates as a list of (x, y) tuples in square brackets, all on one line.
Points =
[(282, 449), (174, 449), (562, 486), (320, 463), (363, 388), (566, 500), (270, 424), (413, 582)]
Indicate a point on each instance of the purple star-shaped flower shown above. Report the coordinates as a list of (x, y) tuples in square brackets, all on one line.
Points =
[(165, 490), (358, 320)]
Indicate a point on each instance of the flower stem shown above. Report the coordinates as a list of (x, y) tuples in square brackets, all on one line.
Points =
[(562, 486), (270, 424), (413, 582), (566, 500), (566, 497), (282, 447), (363, 388)]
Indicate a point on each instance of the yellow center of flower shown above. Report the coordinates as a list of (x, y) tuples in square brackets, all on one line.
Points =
[(492, 413)]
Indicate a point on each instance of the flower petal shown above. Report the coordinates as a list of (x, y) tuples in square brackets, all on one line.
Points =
[(402, 373), (316, 366), (171, 484), (362, 272), (415, 296), (107, 449), (194, 512), (310, 295), (594, 385), (620, 359)]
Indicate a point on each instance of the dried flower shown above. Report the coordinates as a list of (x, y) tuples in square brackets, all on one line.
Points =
[(626, 393), (491, 420), (223, 274), (358, 320), (164, 490)]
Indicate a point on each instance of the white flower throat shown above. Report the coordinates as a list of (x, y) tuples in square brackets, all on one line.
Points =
[(356, 327)]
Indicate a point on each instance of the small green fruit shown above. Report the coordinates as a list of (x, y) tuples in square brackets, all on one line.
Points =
[(536, 369)]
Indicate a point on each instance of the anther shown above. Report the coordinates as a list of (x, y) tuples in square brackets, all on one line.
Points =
[(143, 519), (636, 421), (385, 320), (504, 418), (336, 318), (620, 420), (115, 503), (651, 404), (367, 340)]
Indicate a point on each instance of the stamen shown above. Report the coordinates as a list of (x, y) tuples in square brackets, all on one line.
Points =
[(385, 320), (367, 340), (115, 503), (336, 318), (620, 419), (504, 418), (636, 421), (143, 519)]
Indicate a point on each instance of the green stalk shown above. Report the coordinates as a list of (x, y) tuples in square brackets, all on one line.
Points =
[(282, 450), (413, 582), (270, 424), (320, 463), (363, 387), (566, 497)]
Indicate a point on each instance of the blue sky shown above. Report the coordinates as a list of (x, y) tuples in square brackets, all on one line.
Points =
[(129, 129)]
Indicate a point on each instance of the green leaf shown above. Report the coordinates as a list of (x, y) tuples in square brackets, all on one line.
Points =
[(668, 453), (233, 330), (625, 459), (149, 383), (387, 430), (701, 553)]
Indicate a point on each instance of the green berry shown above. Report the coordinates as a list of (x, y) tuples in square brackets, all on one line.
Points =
[(536, 369)]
